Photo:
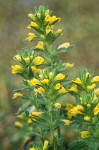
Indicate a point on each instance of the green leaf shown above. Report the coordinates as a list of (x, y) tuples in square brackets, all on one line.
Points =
[(77, 145), (24, 107)]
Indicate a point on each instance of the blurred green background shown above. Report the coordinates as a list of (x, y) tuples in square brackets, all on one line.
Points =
[(80, 19)]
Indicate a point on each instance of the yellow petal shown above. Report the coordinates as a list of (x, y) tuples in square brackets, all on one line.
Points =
[(59, 76), (95, 79), (38, 60), (64, 45)]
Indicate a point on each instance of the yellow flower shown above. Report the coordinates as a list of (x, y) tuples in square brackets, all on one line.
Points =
[(57, 86), (32, 148), (18, 124), (95, 79), (68, 65), (29, 121), (40, 45), (57, 105), (91, 87), (34, 82), (34, 69), (48, 29), (31, 36), (31, 16), (16, 69), (15, 95), (87, 118), (38, 60), (77, 110), (69, 115), (96, 91), (80, 107), (18, 57), (69, 106), (20, 116), (45, 145), (45, 81), (77, 81), (51, 20), (96, 110), (67, 122), (62, 90), (64, 45), (58, 32), (27, 59), (73, 89), (35, 114), (59, 76), (50, 75), (33, 25), (39, 90), (84, 134)]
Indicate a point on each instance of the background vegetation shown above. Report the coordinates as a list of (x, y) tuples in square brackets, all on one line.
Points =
[(80, 19)]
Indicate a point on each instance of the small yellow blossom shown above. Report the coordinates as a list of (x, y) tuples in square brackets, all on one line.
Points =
[(31, 36), (34, 82), (29, 121), (69, 106), (15, 95), (96, 91), (31, 16), (68, 65), (57, 86), (45, 145), (32, 148), (73, 89), (67, 122), (45, 81), (51, 75), (35, 114), (41, 90), (38, 60), (80, 107), (64, 45), (20, 116), (69, 115), (77, 110), (91, 87), (27, 59), (84, 134), (51, 20), (59, 76), (58, 32), (18, 124), (95, 79), (87, 118), (48, 29), (18, 57), (62, 90), (33, 25), (57, 105), (16, 69), (96, 110), (34, 69), (77, 81), (40, 45)]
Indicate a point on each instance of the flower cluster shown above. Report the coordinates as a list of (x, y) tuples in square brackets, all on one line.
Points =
[(45, 82), (86, 112)]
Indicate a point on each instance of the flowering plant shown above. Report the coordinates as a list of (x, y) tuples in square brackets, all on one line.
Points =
[(45, 82)]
